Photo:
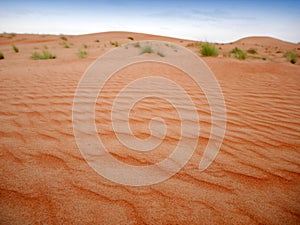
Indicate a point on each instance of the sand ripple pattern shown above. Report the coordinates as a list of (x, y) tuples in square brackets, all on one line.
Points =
[(255, 178)]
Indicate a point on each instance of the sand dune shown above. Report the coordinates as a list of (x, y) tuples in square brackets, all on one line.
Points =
[(255, 178)]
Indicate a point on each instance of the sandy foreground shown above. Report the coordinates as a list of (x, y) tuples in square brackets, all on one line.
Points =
[(44, 179)]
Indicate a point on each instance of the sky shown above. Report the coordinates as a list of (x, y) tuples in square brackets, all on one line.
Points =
[(214, 21)]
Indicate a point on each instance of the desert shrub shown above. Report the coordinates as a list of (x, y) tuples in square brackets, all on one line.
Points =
[(1, 55), (115, 43), (238, 53), (66, 45), (131, 38), (292, 57), (64, 38), (147, 49), (137, 45), (160, 54), (15, 48), (97, 41), (44, 55), (85, 46), (252, 51), (82, 54), (194, 44), (11, 35), (208, 50)]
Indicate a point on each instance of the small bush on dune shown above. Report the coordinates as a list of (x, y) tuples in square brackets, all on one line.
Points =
[(194, 44), (252, 51), (115, 43), (160, 54), (208, 50), (45, 55), (1, 55), (82, 54), (66, 45), (63, 38), (137, 45), (15, 49), (97, 41), (292, 57), (131, 38), (147, 49), (85, 46), (238, 53)]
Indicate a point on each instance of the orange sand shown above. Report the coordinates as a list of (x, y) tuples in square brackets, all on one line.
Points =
[(255, 178)]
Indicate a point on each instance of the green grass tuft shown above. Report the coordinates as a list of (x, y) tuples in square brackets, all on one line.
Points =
[(115, 43), (137, 45), (15, 48), (209, 50), (292, 57), (82, 54), (64, 38), (161, 54), (147, 49), (66, 45), (252, 51), (194, 44), (45, 55), (1, 55), (238, 53)]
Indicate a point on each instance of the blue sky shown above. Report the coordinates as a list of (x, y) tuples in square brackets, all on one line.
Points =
[(218, 21)]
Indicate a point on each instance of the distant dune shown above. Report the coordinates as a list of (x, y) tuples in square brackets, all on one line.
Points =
[(255, 178), (265, 41)]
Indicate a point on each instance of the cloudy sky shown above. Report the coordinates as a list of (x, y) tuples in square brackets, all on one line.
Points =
[(216, 21)]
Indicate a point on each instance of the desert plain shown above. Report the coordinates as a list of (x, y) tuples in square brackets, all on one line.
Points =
[(255, 178)]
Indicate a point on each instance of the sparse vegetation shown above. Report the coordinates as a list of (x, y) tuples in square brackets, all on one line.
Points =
[(45, 47), (115, 43), (85, 46), (97, 41), (194, 44), (66, 45), (11, 35), (208, 49), (130, 38), (15, 48), (82, 54), (292, 57), (137, 45), (64, 38), (251, 51), (1, 55), (147, 49), (160, 54), (44, 55), (239, 53)]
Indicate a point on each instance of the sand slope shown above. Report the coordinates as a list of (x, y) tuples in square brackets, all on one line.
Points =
[(255, 178)]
